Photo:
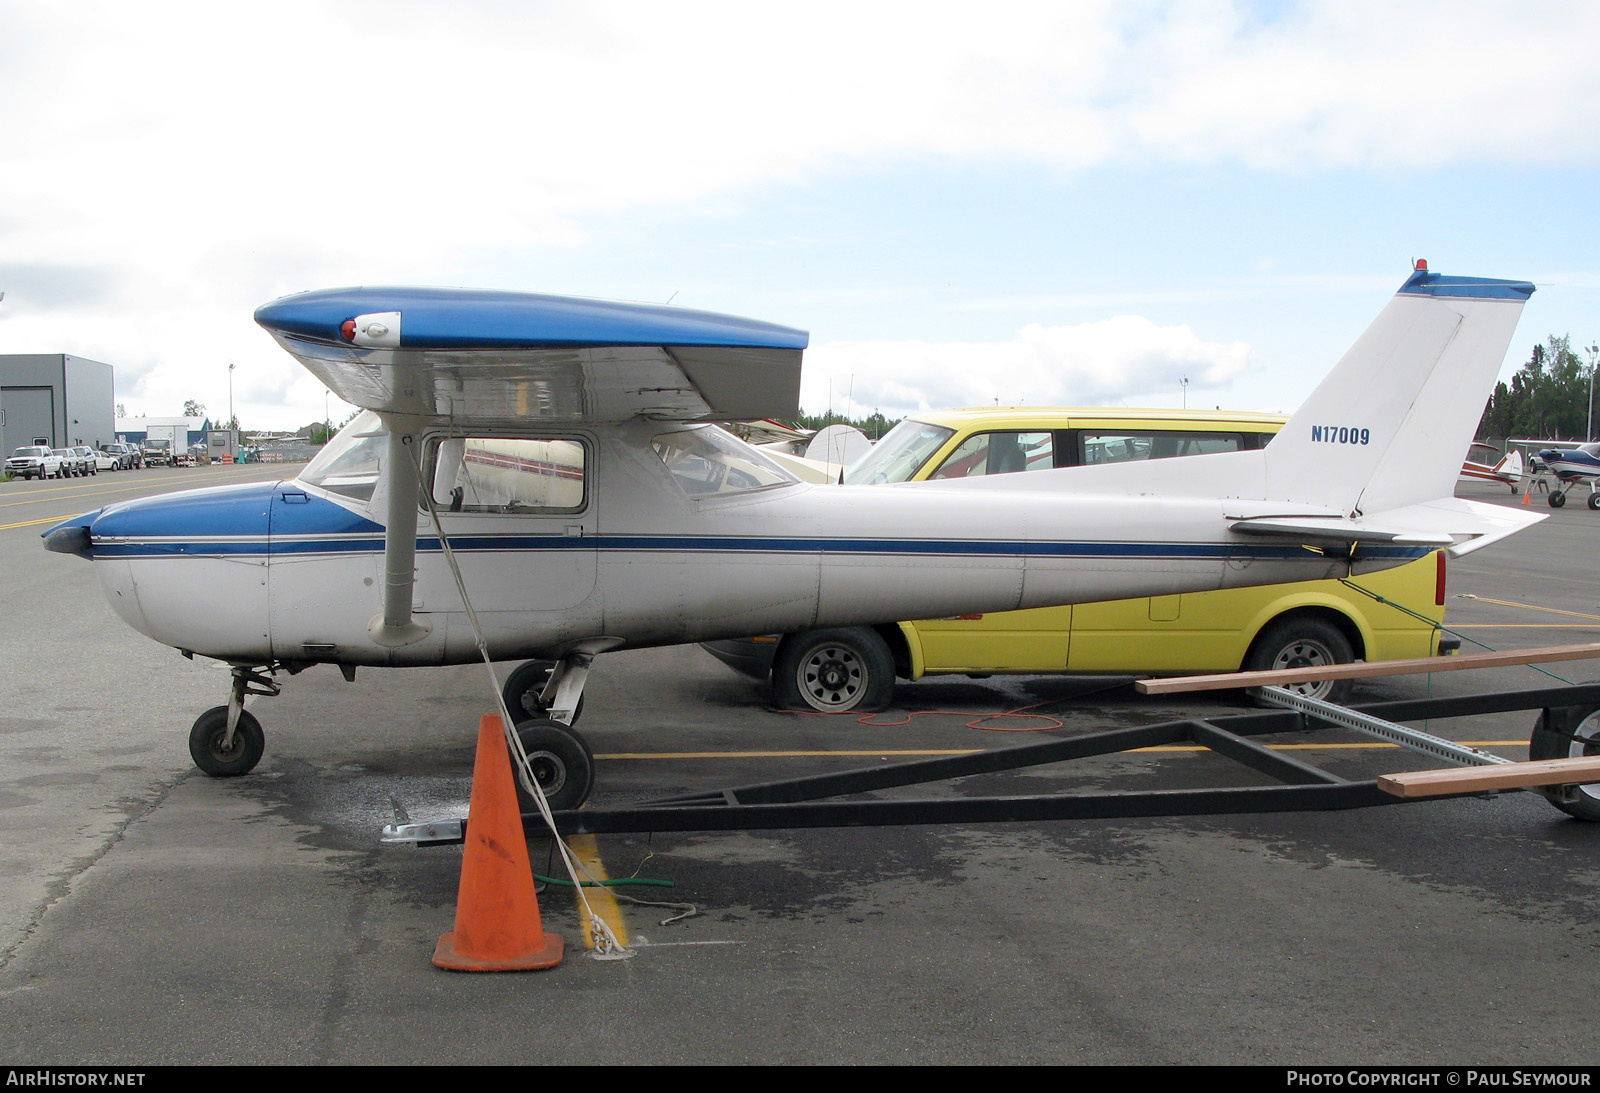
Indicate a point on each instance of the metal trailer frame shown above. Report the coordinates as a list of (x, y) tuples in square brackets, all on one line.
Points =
[(804, 803)]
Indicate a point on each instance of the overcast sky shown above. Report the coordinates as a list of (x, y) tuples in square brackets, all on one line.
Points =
[(1043, 203)]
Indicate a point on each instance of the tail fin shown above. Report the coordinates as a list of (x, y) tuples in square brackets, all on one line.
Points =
[(1510, 468), (1387, 427)]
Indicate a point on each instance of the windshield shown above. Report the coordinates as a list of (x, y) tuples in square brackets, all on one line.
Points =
[(706, 461), (348, 464), (899, 455)]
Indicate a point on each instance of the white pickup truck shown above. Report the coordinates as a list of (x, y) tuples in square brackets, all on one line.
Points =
[(26, 462)]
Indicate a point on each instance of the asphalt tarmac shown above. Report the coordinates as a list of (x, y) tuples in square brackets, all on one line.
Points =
[(152, 915)]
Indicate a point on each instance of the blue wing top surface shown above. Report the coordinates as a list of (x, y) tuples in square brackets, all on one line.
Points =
[(470, 356), (447, 318)]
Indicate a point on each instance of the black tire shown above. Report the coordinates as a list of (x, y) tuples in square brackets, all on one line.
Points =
[(1594, 500), (1557, 499), (523, 687), (205, 743), (562, 764), (1302, 642), (834, 671), (1549, 741)]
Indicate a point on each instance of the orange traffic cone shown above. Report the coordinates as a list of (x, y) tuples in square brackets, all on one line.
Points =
[(1525, 494), (497, 913)]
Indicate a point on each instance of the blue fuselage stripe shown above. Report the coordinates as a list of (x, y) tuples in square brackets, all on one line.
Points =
[(951, 548)]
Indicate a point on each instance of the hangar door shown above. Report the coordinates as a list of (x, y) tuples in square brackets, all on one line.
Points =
[(29, 412)]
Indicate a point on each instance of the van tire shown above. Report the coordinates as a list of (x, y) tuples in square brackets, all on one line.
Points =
[(840, 670), (1301, 642)]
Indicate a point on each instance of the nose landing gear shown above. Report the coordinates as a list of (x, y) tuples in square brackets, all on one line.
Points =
[(225, 741)]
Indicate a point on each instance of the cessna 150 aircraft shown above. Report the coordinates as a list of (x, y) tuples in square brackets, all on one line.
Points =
[(533, 478)]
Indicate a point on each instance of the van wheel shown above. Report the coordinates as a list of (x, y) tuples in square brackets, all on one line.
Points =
[(834, 671), (1301, 643)]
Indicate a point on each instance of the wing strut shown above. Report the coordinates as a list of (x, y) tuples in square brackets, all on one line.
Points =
[(396, 625)]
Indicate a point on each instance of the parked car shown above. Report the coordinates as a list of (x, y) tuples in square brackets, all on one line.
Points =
[(34, 461), (88, 459), (103, 461), (1272, 626), (71, 466), (126, 455)]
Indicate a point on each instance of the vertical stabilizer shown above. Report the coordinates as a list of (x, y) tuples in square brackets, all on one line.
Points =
[(1388, 426)]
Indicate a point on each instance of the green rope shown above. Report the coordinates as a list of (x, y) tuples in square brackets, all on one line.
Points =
[(608, 883), (1437, 625)]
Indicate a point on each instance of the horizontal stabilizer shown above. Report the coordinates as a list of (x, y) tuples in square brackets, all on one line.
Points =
[(1452, 523)]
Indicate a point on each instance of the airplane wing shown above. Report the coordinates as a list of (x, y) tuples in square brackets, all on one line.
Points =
[(458, 354)]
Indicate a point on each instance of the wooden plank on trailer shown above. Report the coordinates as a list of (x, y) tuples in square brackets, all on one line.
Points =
[(1542, 772), (1364, 670)]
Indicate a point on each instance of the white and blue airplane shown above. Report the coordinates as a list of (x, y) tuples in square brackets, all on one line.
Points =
[(1573, 467), (536, 477)]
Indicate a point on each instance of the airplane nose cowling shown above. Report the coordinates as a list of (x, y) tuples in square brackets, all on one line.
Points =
[(187, 569)]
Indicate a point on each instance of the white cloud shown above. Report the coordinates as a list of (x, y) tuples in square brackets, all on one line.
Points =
[(188, 161), (1127, 359)]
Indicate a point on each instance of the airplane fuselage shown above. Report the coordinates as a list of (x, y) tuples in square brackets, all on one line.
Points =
[(294, 570)]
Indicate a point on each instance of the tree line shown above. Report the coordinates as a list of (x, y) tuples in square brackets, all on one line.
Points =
[(1548, 398)]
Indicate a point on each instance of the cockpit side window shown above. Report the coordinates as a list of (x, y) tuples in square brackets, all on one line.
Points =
[(509, 474)]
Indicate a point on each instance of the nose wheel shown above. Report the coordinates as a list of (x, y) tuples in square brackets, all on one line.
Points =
[(226, 741), (221, 754)]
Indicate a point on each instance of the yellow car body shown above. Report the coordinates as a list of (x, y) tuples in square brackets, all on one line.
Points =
[(1389, 615), (1201, 632)]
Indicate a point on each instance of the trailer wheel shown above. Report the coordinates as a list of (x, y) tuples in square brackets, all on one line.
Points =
[(205, 743), (562, 764), (834, 671), (1301, 642), (1549, 741)]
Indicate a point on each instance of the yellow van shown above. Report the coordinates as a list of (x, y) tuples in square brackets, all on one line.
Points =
[(1273, 626)]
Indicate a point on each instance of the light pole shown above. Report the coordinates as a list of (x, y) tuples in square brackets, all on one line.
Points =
[(231, 367), (1588, 430), (1185, 384)]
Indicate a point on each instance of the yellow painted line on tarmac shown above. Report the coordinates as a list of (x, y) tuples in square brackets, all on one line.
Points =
[(1523, 626), (46, 520), (601, 901), (67, 493), (1527, 606)]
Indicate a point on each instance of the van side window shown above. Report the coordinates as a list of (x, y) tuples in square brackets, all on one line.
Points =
[(1124, 447), (999, 453)]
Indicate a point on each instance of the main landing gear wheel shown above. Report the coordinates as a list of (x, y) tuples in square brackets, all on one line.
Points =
[(1568, 737), (563, 765), (1302, 643), (523, 687), (1557, 500), (1594, 500), (240, 757), (834, 671)]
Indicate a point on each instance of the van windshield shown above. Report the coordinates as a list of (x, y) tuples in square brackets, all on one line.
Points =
[(899, 455)]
